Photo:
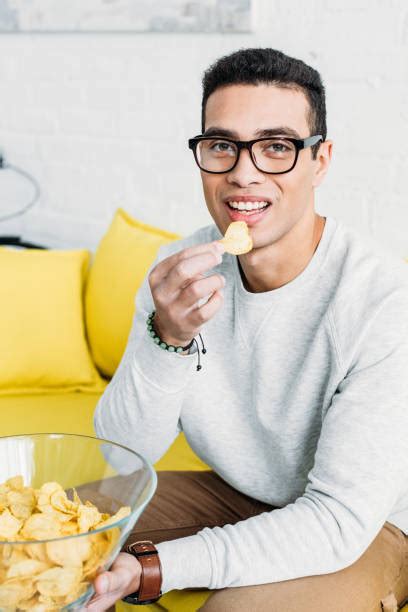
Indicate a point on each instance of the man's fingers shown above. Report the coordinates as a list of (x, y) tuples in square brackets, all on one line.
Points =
[(183, 273), (102, 583), (163, 268), (113, 580), (108, 587), (101, 603), (200, 288), (204, 313)]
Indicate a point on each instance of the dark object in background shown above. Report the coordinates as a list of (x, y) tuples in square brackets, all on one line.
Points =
[(16, 240)]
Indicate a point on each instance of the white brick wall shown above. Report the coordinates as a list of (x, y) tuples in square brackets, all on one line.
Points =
[(102, 120)]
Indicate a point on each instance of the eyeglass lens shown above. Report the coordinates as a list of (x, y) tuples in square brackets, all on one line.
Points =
[(272, 155)]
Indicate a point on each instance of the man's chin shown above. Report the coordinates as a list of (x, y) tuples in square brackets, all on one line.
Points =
[(261, 240)]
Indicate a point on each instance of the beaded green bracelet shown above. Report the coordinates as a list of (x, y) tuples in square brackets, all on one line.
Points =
[(170, 347), (161, 343)]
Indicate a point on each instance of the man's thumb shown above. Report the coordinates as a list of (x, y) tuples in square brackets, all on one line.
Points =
[(102, 583), (110, 581)]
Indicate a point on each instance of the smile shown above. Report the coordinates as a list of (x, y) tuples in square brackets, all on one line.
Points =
[(248, 208)]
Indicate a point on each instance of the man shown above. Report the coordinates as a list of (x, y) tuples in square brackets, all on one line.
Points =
[(300, 407)]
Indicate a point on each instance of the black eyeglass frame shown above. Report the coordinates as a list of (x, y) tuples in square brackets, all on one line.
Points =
[(300, 143)]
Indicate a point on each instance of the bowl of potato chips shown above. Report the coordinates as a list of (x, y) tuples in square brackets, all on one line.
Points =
[(67, 505)]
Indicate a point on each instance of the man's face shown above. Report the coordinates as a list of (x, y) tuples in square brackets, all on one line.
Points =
[(246, 110)]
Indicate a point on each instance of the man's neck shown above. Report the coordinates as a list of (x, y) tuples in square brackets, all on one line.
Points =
[(278, 265)]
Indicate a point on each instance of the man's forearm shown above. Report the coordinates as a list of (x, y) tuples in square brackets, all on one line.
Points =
[(148, 379)]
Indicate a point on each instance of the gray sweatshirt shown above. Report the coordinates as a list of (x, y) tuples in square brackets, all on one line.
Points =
[(302, 403)]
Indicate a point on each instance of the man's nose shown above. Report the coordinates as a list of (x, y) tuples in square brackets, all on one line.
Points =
[(245, 172)]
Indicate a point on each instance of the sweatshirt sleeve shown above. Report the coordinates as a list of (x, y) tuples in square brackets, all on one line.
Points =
[(358, 476), (141, 406)]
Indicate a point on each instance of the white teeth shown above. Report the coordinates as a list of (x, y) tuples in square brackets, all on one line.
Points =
[(248, 205)]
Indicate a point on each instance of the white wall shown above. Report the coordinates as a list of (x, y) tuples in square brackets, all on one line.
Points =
[(102, 120)]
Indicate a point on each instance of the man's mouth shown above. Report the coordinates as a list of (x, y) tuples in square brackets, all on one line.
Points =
[(248, 208)]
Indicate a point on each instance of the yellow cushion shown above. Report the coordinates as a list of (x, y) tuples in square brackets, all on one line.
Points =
[(43, 345), (119, 267), (51, 413)]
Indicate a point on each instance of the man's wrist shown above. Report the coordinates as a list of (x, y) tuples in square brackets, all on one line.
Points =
[(150, 574), (173, 348), (167, 339), (136, 573)]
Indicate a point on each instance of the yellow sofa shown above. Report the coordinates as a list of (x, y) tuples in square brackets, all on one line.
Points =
[(31, 400)]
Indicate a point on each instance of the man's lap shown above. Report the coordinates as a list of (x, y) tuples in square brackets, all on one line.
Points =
[(378, 573), (185, 502)]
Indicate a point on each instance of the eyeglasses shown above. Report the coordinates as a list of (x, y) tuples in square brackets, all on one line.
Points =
[(276, 155)]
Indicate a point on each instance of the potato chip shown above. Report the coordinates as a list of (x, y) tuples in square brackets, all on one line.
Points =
[(100, 550), (9, 525), (58, 602), (81, 588), (88, 517), (37, 551), (120, 514), (59, 581), (33, 604), (16, 483), (113, 538), (69, 528), (3, 574), (69, 552), (89, 503), (60, 501), (237, 240), (51, 603), (11, 592), (45, 492), (12, 553), (21, 503), (27, 568), (20, 511), (75, 497), (3, 501), (55, 515), (39, 527)]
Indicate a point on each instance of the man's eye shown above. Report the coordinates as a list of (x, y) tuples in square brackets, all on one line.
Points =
[(278, 147), (221, 147)]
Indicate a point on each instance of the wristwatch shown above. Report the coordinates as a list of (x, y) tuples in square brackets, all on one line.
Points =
[(151, 577)]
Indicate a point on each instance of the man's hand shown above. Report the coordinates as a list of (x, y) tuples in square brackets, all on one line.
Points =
[(122, 579), (178, 283)]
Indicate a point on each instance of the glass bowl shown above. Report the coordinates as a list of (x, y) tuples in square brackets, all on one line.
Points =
[(42, 568)]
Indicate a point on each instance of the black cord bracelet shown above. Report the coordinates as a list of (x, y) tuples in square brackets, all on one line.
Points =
[(170, 347)]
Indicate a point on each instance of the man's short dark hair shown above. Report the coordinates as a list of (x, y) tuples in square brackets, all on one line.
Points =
[(256, 66)]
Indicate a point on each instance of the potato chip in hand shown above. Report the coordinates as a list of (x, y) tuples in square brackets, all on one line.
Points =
[(237, 240)]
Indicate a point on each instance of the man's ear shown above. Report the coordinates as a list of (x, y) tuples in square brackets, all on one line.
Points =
[(323, 159)]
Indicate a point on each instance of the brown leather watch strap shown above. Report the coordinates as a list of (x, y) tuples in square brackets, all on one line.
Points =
[(151, 577)]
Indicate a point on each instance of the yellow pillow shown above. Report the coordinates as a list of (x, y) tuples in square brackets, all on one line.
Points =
[(121, 261), (43, 346)]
